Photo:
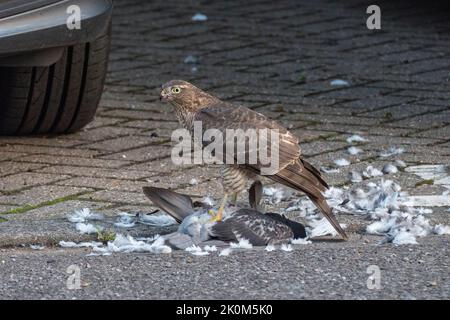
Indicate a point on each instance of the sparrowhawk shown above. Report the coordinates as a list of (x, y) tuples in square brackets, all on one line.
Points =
[(192, 104)]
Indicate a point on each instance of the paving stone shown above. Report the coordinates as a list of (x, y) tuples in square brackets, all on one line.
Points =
[(442, 133), (5, 155), (118, 197), (4, 208), (140, 154), (30, 149), (105, 183), (62, 141), (42, 194), (12, 167), (102, 133), (26, 180), (48, 159), (58, 211), (123, 173), (122, 143)]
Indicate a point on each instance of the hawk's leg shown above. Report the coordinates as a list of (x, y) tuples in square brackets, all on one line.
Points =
[(219, 214), (234, 179), (234, 197)]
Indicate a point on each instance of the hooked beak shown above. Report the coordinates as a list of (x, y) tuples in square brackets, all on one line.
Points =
[(163, 96)]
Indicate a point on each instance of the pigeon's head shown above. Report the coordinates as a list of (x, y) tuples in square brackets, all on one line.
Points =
[(185, 95)]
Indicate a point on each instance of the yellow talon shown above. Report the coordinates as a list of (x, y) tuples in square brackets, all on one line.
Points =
[(218, 215)]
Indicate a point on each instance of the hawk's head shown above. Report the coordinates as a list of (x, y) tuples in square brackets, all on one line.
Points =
[(185, 95)]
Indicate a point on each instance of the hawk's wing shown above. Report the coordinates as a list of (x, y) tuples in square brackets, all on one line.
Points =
[(224, 116)]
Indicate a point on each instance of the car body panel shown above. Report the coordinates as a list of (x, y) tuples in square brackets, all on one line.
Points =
[(13, 7), (46, 27)]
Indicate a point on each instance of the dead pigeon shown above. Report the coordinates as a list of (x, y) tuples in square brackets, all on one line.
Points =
[(197, 226)]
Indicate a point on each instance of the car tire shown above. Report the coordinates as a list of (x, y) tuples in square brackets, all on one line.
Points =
[(60, 98)]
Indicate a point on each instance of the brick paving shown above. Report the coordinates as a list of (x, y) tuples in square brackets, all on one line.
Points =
[(277, 57)]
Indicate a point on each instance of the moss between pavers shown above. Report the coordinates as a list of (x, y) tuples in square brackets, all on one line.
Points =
[(105, 236), (45, 204), (428, 182)]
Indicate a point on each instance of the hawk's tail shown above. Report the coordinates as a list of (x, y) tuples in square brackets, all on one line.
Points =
[(304, 177)]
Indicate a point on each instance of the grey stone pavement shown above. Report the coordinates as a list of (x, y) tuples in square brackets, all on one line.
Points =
[(277, 58)]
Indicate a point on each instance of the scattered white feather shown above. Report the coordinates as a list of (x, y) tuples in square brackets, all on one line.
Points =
[(125, 220), (371, 171), (389, 169), (404, 237), (321, 228), (190, 59), (380, 227), (129, 244), (429, 201), (242, 244), (270, 248), (355, 138), (199, 17), (200, 253), (392, 212), (157, 220), (399, 163), (225, 252), (439, 173), (341, 162), (334, 192), (82, 215), (300, 241), (354, 150), (36, 247), (391, 152), (441, 229), (196, 250), (277, 194), (355, 176), (71, 244), (210, 248), (286, 247), (86, 228), (193, 248), (208, 201), (339, 82), (193, 182)]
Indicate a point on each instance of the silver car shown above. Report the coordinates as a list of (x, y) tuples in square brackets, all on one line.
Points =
[(53, 61)]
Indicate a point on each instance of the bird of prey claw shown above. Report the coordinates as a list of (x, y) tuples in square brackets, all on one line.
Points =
[(192, 104)]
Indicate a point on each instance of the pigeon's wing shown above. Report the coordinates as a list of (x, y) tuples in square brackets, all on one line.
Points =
[(232, 231), (177, 205), (223, 116), (259, 229), (297, 228)]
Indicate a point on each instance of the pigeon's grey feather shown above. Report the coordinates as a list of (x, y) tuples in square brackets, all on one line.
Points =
[(177, 205)]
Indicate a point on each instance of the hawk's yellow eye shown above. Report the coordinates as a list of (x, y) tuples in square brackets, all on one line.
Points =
[(176, 90)]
